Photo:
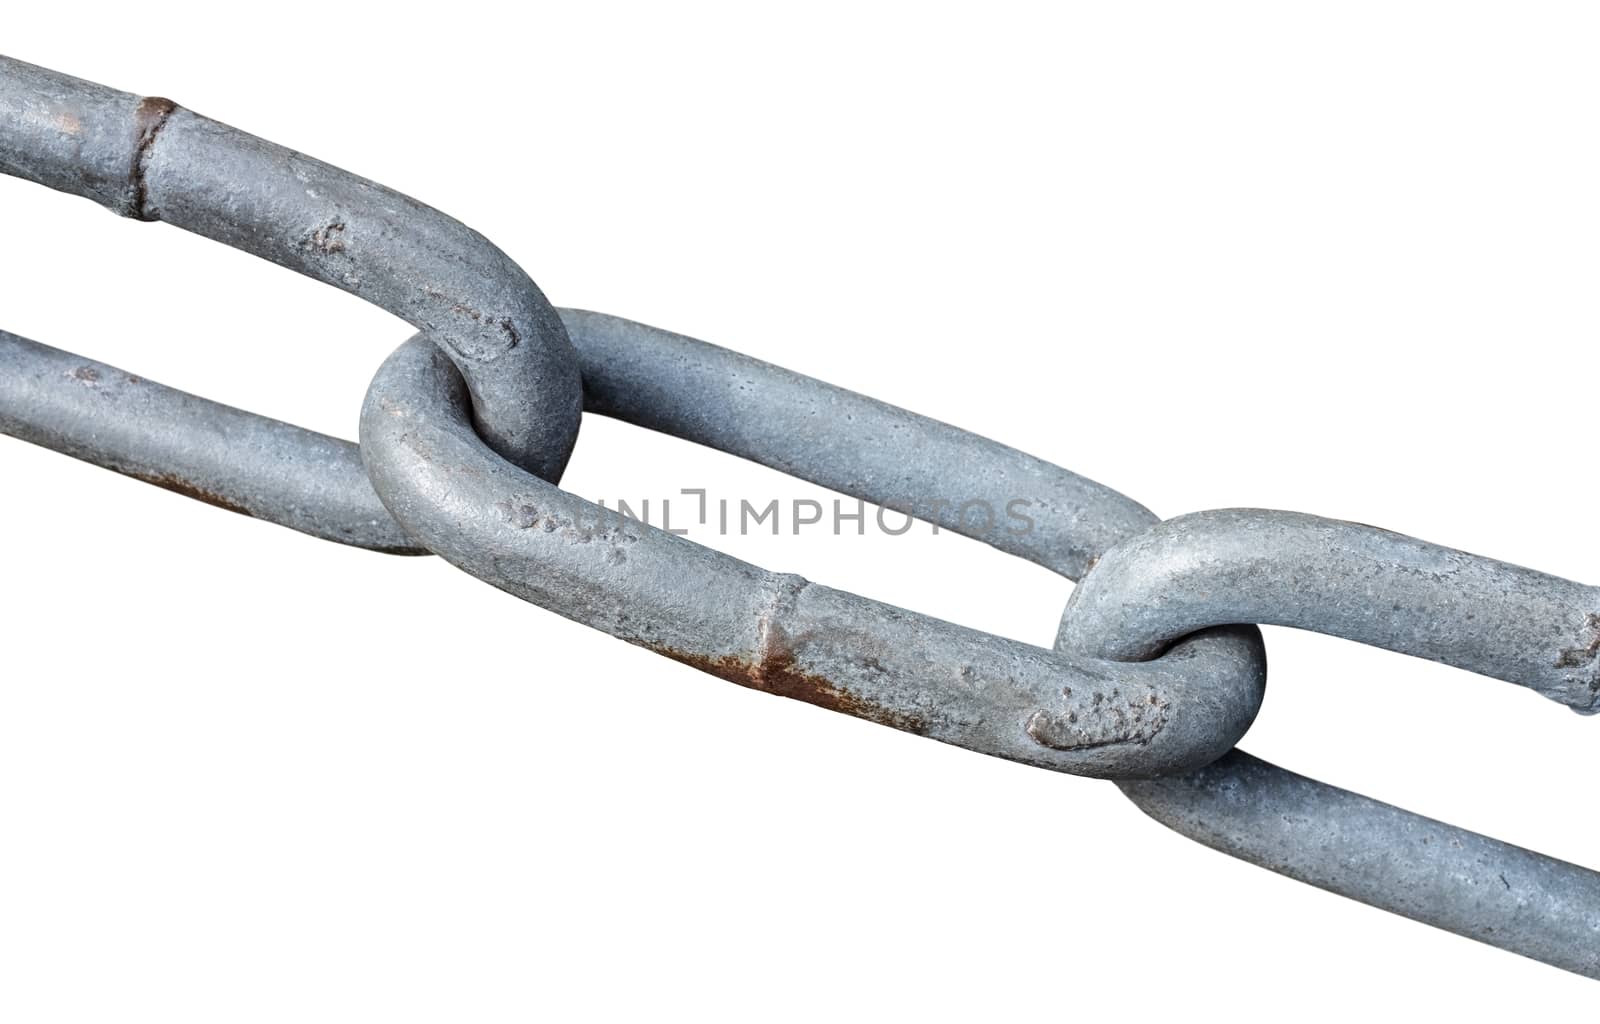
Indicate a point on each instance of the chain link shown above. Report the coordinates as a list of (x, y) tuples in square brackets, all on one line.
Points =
[(780, 633), (1158, 668)]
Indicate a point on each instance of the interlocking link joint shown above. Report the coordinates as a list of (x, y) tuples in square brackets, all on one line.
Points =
[(1387, 590), (1345, 579)]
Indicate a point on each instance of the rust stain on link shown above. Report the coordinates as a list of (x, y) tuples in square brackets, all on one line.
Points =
[(774, 666), (178, 485), (777, 672)]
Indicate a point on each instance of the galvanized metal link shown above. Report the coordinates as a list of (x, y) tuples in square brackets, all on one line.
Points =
[(1391, 591), (149, 159), (779, 633)]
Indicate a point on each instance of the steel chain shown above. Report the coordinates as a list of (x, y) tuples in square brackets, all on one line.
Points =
[(1158, 668)]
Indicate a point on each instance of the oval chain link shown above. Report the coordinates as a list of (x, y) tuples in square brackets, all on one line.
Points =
[(778, 632)]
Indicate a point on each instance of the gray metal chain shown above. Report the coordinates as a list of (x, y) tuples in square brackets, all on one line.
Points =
[(1158, 668)]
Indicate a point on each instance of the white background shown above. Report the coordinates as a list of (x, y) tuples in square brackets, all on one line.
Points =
[(1338, 259)]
